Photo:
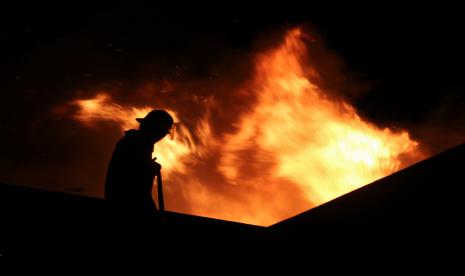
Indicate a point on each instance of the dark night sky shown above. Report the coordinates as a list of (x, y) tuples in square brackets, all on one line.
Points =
[(412, 58)]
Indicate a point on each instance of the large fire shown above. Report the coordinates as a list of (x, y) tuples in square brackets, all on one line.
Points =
[(293, 148)]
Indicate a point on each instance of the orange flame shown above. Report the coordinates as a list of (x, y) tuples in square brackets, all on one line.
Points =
[(170, 152), (323, 146), (295, 148)]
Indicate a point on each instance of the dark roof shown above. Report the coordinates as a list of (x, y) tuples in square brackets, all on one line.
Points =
[(414, 214)]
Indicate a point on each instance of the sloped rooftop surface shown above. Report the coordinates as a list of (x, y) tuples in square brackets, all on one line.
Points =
[(412, 216)]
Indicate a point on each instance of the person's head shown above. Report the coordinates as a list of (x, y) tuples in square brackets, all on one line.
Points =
[(156, 124)]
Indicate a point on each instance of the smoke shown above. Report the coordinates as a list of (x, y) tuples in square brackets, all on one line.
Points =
[(444, 127)]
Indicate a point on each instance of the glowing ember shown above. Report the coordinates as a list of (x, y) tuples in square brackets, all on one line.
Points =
[(293, 149)]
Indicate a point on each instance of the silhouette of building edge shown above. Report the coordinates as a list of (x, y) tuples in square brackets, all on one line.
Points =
[(412, 217)]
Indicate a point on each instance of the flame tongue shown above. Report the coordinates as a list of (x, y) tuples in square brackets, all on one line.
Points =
[(319, 144), (294, 149)]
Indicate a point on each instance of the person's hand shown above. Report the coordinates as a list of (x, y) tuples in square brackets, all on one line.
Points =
[(156, 167)]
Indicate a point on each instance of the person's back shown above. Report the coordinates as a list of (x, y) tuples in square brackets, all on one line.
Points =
[(130, 175)]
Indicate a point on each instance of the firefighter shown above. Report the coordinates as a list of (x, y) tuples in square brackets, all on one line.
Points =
[(131, 171)]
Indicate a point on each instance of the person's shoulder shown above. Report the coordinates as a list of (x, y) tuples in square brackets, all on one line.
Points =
[(131, 133), (129, 136)]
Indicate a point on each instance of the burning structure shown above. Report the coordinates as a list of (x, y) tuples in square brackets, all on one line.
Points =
[(259, 140), (292, 146)]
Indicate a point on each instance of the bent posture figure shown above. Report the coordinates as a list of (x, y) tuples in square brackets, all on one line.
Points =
[(131, 171)]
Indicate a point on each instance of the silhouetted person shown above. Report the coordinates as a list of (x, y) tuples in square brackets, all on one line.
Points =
[(131, 171)]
